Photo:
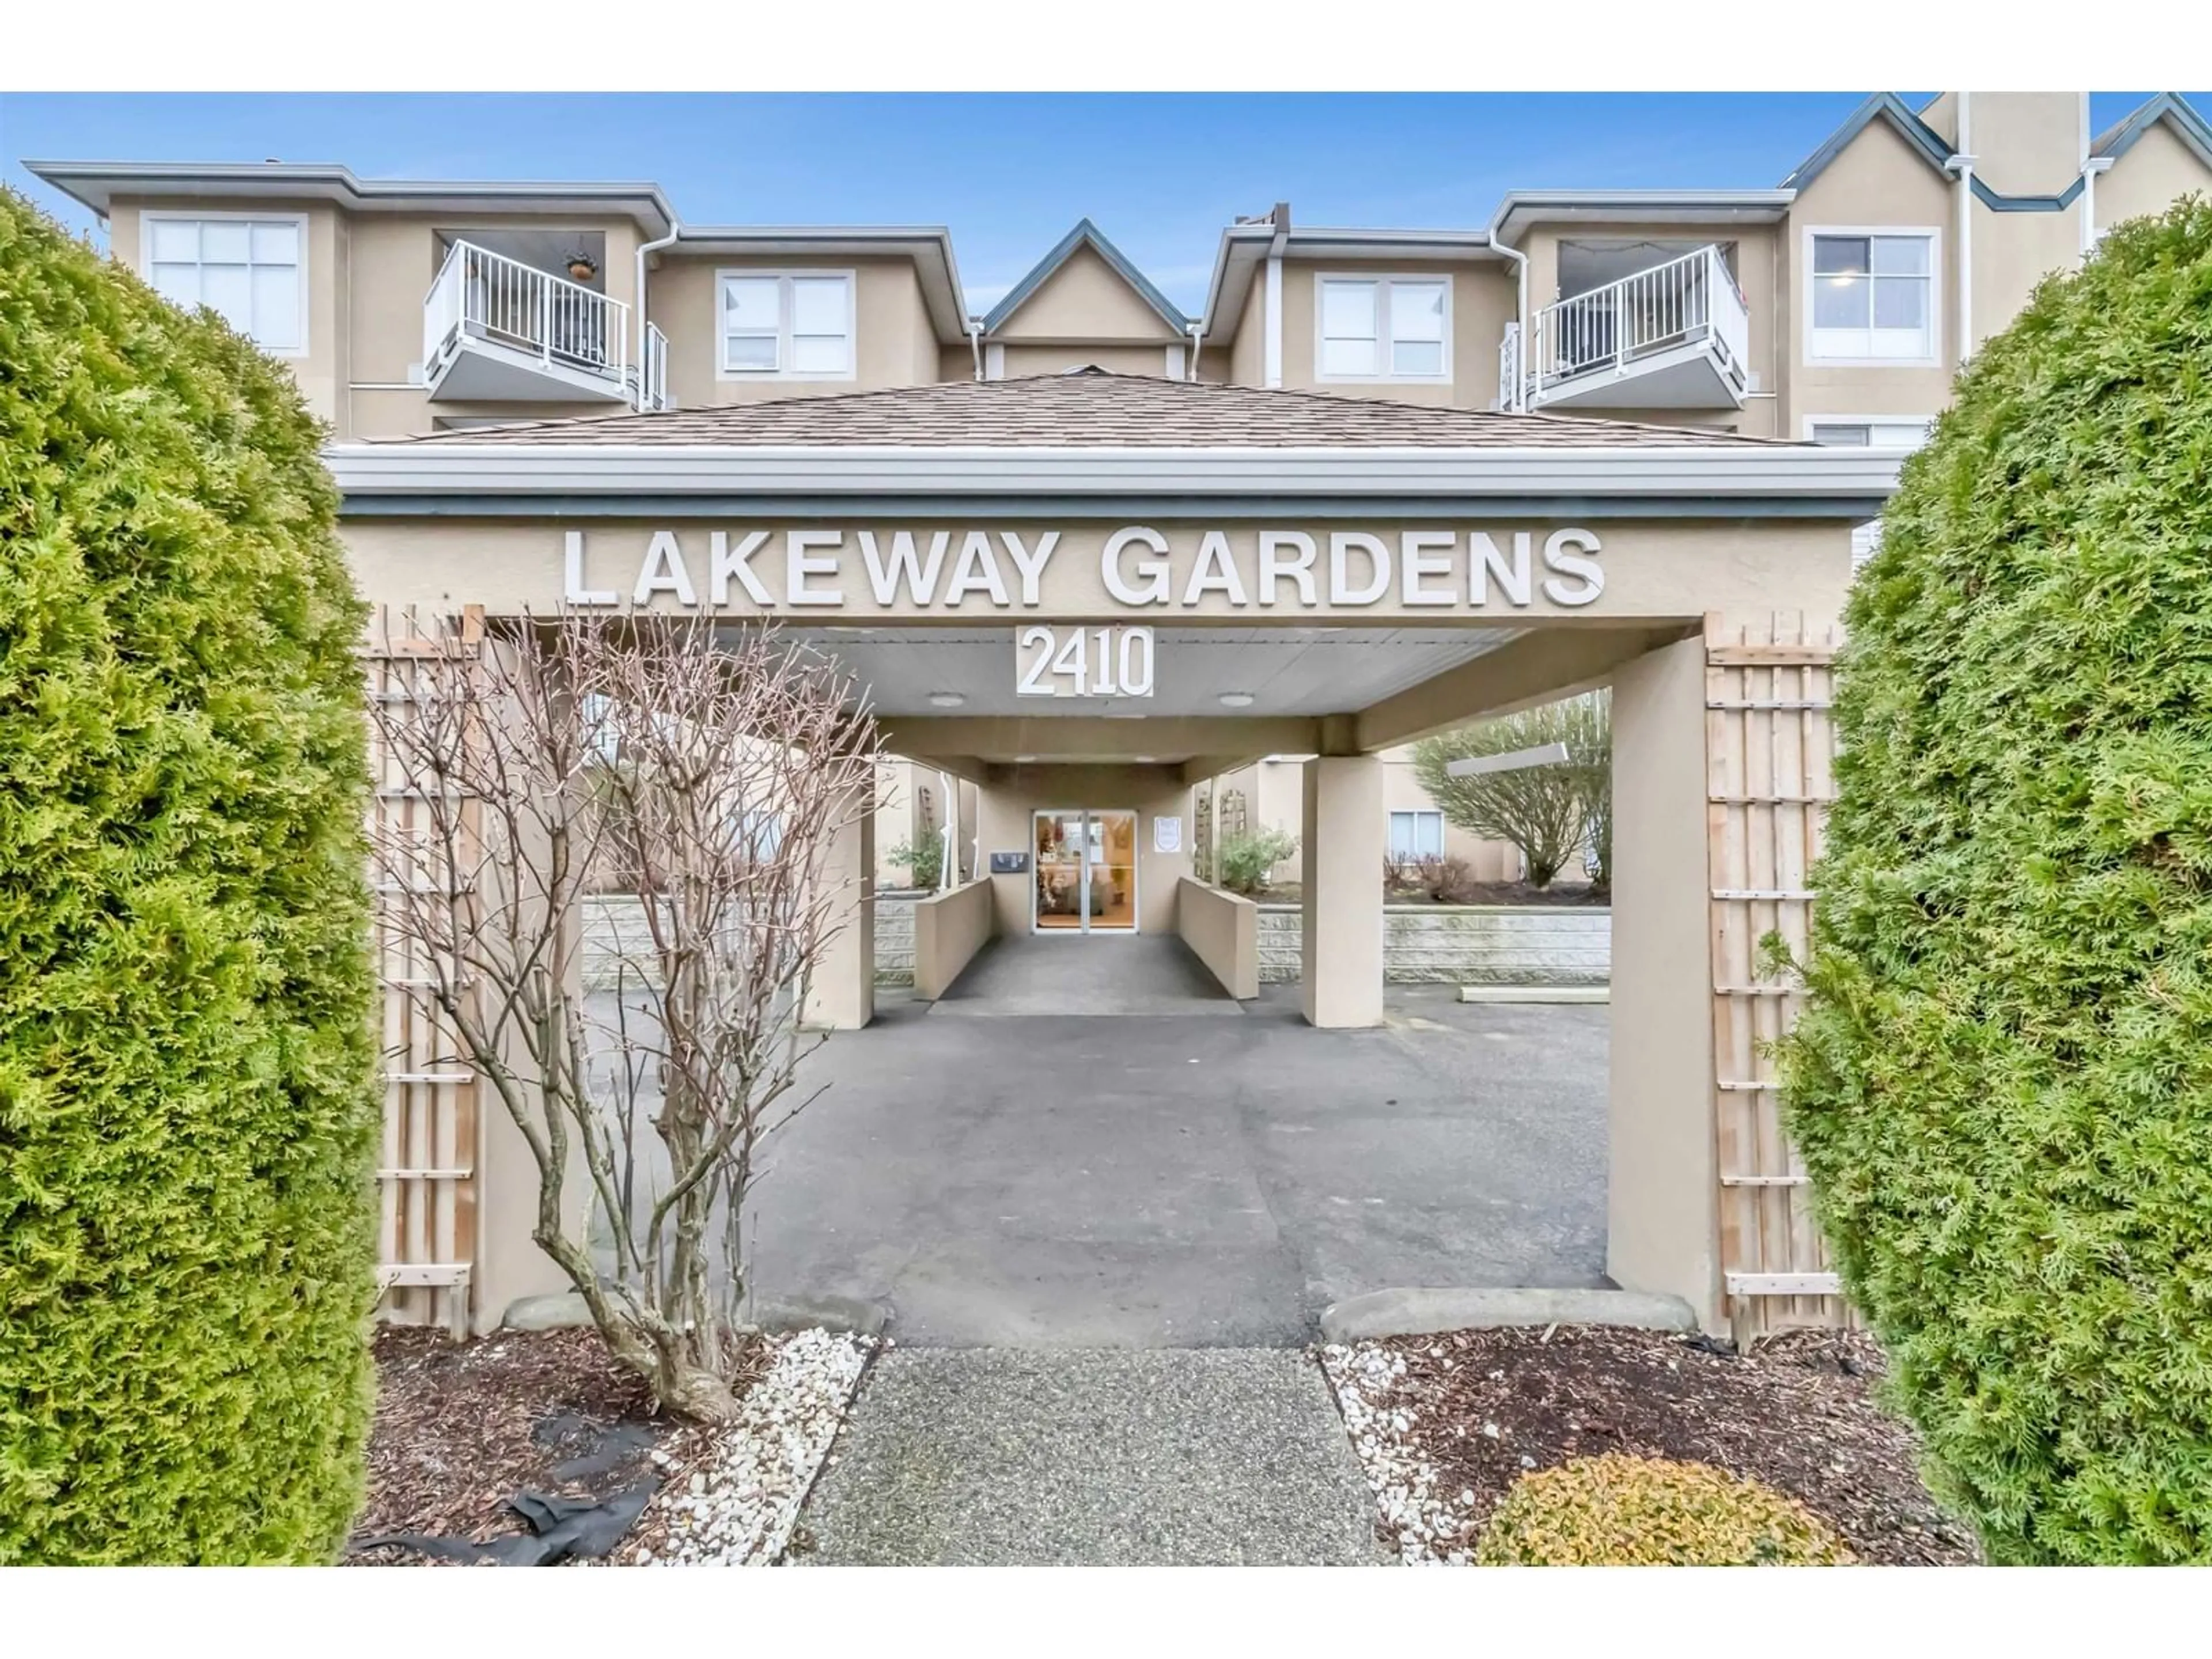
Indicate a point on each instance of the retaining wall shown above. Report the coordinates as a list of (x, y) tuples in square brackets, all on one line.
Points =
[(1465, 944), (613, 924)]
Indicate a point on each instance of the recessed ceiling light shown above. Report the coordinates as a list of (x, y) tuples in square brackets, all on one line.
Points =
[(1143, 760), (1023, 759), (1237, 699), (945, 700)]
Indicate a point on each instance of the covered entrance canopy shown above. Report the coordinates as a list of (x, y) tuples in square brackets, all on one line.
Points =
[(1093, 592)]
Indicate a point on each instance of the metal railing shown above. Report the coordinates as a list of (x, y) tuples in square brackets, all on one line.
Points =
[(1686, 300), (1508, 368), (485, 296)]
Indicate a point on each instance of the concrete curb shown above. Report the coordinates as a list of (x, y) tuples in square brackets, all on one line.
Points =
[(565, 1311), (851, 1315), (1411, 1312), (559, 1310), (1535, 994)]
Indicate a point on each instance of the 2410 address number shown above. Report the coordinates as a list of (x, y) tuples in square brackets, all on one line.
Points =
[(1084, 662)]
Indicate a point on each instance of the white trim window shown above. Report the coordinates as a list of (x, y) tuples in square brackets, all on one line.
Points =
[(1873, 296), (1869, 431), (785, 325), (1416, 834), (249, 268), (1382, 328)]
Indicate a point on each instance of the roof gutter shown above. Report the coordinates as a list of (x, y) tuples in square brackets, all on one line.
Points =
[(1702, 472)]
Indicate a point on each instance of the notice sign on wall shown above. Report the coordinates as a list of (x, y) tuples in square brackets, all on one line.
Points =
[(1167, 835)]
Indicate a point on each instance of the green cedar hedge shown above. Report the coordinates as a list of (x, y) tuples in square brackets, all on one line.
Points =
[(2003, 1087), (187, 1120)]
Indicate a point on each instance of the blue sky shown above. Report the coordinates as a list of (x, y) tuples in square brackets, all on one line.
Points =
[(1161, 174)]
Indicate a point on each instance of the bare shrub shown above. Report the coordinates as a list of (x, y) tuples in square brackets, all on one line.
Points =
[(711, 774)]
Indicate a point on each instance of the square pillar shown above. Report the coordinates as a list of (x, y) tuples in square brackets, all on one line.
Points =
[(841, 994), (1344, 838), (1662, 1191)]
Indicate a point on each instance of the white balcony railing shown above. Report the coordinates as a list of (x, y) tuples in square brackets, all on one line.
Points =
[(482, 295), (1508, 368), (1610, 330)]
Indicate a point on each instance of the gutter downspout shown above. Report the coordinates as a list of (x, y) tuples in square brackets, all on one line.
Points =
[(1963, 165), (1521, 319), (1962, 168), (1197, 344), (1272, 345), (2090, 169), (976, 343), (675, 230)]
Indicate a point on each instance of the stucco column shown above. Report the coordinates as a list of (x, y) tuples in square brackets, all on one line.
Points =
[(1662, 1205), (1343, 841), (842, 994), (508, 1262)]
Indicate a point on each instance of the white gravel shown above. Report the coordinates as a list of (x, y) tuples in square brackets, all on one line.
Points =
[(1428, 1526), (738, 1506)]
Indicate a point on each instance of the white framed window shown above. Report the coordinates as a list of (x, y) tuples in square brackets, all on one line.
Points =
[(1416, 834), (785, 325), (1869, 431), (250, 268), (1382, 328), (1872, 295)]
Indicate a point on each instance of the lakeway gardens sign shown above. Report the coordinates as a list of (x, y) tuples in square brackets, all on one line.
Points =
[(1135, 567)]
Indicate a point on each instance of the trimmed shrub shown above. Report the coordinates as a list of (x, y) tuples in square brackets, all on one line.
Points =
[(1621, 1511), (187, 1117), (1248, 861), (2003, 1086)]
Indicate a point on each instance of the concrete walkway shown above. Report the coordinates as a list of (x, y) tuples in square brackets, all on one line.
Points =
[(984, 1456), (1071, 975)]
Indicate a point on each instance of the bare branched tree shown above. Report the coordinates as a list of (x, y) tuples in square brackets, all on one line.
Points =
[(713, 773)]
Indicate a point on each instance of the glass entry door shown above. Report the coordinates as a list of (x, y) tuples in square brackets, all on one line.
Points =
[(1086, 872)]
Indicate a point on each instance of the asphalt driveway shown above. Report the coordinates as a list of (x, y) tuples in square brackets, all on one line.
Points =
[(1159, 1181)]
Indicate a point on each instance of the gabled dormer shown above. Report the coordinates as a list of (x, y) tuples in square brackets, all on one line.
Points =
[(1083, 305)]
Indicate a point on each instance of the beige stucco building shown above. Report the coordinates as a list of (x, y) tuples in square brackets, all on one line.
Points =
[(1834, 308), (1096, 559)]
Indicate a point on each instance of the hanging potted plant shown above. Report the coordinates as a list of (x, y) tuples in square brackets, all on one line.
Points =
[(582, 266)]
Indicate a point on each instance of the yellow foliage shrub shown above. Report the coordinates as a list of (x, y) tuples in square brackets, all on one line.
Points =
[(1623, 1511)]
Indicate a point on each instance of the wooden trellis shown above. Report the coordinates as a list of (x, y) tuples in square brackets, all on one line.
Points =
[(1769, 745), (426, 1173)]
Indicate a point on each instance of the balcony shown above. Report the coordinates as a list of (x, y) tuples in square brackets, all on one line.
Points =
[(1675, 336), (496, 330)]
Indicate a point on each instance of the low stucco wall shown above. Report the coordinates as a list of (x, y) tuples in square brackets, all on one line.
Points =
[(1223, 931), (949, 928), (1464, 944)]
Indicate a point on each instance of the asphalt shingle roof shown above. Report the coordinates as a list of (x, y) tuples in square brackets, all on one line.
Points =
[(1093, 409)]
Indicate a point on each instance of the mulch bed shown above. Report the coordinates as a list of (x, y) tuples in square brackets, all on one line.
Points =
[(461, 1427), (1798, 1414), (1560, 893)]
